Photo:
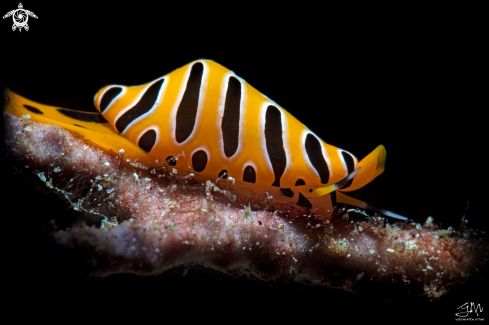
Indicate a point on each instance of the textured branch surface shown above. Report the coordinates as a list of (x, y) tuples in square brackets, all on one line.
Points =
[(156, 220)]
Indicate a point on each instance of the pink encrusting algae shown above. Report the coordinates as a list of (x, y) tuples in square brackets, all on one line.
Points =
[(157, 219)]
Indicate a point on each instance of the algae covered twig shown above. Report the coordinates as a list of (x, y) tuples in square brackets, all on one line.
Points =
[(164, 222)]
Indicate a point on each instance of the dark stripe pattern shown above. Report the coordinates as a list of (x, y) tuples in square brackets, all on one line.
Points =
[(275, 142), (333, 198), (223, 174), (147, 140), (287, 192), (146, 102), (199, 161), (230, 119), (315, 154), (171, 161), (350, 166), (303, 202), (108, 96), (300, 182), (249, 175), (187, 110), (33, 109), (83, 116)]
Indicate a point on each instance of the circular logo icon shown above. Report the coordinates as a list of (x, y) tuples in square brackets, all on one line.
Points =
[(20, 18)]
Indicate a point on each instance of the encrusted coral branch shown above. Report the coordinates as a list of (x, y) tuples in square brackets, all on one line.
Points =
[(156, 219)]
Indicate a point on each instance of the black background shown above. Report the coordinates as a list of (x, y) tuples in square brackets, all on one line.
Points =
[(357, 77)]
